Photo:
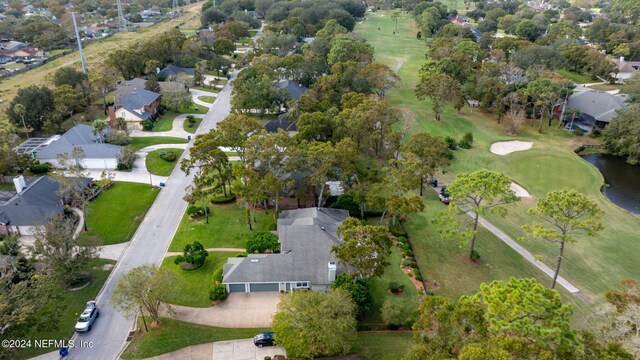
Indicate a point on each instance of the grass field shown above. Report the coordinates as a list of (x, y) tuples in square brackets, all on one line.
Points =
[(608, 87), (227, 228), (164, 123), (192, 287), (141, 142), (576, 78), (174, 334), (207, 88), (192, 128), (112, 220), (592, 264), (158, 166), (390, 345), (380, 290), (94, 53), (74, 302), (193, 109), (207, 99)]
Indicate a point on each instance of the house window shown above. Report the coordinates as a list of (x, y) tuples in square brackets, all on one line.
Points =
[(302, 284), (122, 114)]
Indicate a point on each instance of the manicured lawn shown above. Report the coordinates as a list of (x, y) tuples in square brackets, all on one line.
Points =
[(193, 286), (391, 345), (593, 264), (207, 99), (74, 302), (193, 109), (15, 66), (7, 186), (192, 128), (164, 123), (210, 89), (380, 290), (576, 77), (115, 214), (158, 166), (141, 142), (174, 334), (227, 228), (609, 87)]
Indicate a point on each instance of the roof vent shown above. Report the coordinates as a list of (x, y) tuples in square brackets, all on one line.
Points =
[(322, 227), (255, 260)]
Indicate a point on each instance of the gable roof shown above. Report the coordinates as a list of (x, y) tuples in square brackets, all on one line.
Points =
[(306, 237), (281, 122), (136, 100), (627, 66), (81, 136), (172, 70), (597, 105), (294, 88), (36, 204)]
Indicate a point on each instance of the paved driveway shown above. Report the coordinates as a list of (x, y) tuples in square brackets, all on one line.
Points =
[(240, 310), (222, 350)]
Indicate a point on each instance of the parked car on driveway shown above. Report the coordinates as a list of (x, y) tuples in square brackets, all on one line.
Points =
[(263, 339), (88, 317), (444, 196)]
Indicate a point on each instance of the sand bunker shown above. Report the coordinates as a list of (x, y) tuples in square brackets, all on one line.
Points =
[(519, 190), (507, 147)]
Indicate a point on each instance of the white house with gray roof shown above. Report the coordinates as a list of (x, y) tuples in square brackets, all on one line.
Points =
[(595, 108), (305, 261), (97, 154)]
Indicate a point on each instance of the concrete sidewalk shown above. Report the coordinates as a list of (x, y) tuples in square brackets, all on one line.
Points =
[(242, 349)]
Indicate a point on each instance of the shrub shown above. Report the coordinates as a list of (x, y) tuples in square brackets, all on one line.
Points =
[(267, 357), (405, 262), (147, 125), (346, 202), (413, 264), (405, 247), (595, 133), (409, 253), (391, 314), (262, 241), (475, 256), (418, 277), (168, 156), (273, 227), (394, 287), (218, 293), (122, 167), (451, 142), (9, 245), (194, 254), (38, 168), (241, 255), (359, 290), (194, 210), (467, 141), (222, 199), (401, 239), (217, 276), (191, 120)]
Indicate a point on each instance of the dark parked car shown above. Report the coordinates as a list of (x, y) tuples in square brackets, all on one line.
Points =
[(263, 339), (444, 196)]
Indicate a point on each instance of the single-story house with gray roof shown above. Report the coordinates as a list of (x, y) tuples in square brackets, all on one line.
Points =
[(173, 71), (135, 104), (593, 108), (305, 260), (97, 154), (34, 203)]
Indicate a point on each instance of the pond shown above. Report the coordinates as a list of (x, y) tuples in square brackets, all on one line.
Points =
[(623, 180)]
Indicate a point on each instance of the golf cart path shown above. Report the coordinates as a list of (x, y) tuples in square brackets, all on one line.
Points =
[(526, 254)]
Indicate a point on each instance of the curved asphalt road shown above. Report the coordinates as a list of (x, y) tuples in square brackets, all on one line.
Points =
[(148, 246)]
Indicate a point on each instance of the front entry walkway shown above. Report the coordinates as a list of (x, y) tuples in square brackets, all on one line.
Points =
[(239, 310), (222, 350)]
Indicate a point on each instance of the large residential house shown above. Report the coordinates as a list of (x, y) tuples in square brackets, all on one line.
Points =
[(134, 104), (172, 71), (305, 260), (96, 154), (626, 68), (592, 108), (33, 203)]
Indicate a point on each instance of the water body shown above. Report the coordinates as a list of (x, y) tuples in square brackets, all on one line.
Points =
[(623, 180)]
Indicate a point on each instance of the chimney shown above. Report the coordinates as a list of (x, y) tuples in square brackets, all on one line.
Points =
[(621, 59), (19, 183), (332, 271)]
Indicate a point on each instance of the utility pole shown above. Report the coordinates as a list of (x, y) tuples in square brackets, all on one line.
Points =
[(123, 22), (175, 7), (75, 26)]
